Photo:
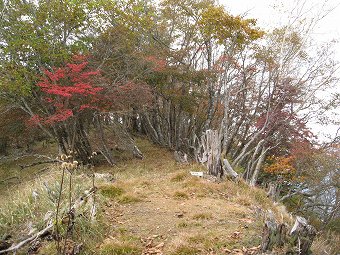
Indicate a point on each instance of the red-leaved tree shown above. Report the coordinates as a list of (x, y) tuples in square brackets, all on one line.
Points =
[(75, 99)]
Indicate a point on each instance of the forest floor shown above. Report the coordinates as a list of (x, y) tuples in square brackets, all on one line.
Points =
[(154, 206)]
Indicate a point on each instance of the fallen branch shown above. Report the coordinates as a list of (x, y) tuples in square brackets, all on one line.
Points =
[(33, 237), (39, 163), (80, 201), (77, 204), (228, 170), (10, 178), (41, 171)]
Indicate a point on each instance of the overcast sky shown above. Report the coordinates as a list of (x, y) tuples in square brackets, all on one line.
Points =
[(273, 13), (268, 13)]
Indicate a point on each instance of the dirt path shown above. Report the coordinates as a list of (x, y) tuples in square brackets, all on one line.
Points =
[(171, 212)]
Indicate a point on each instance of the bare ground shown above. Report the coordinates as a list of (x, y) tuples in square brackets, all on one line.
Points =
[(163, 209)]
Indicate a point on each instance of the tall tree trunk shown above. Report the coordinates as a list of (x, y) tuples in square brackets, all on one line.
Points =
[(105, 149), (211, 152), (256, 172)]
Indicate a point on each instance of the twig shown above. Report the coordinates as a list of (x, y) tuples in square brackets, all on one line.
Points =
[(83, 198), (9, 178), (57, 213), (70, 217), (37, 235)]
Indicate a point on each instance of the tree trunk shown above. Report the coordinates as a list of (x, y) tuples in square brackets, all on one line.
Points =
[(297, 242), (273, 191), (302, 235), (256, 172), (274, 234), (105, 149), (211, 152), (228, 170)]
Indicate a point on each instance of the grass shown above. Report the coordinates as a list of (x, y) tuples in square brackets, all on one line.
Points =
[(180, 195), (179, 177), (187, 224), (128, 199), (183, 224), (209, 242), (328, 243), (111, 191), (154, 199), (24, 211), (119, 248), (202, 216), (197, 239), (119, 194), (185, 250), (22, 207), (11, 175)]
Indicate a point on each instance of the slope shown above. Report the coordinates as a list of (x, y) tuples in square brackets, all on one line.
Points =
[(153, 206)]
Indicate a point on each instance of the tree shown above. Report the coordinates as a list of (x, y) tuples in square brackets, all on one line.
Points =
[(40, 37), (74, 99), (188, 90), (316, 187), (37, 35), (266, 101)]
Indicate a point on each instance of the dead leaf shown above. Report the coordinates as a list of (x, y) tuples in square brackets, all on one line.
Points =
[(255, 248), (179, 214), (160, 245), (236, 235), (246, 220), (227, 250)]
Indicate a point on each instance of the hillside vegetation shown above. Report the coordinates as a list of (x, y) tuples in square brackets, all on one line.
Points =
[(152, 206)]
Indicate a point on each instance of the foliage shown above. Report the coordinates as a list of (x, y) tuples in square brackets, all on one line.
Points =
[(39, 34), (69, 91), (215, 22), (280, 165)]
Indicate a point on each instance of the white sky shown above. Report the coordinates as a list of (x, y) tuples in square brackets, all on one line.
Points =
[(268, 13), (273, 13)]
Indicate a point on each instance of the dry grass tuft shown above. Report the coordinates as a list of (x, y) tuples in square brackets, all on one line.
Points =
[(111, 191), (180, 195), (34, 204), (185, 250), (183, 224), (128, 199), (243, 199), (118, 193), (197, 239), (179, 177), (202, 216), (326, 243), (115, 247)]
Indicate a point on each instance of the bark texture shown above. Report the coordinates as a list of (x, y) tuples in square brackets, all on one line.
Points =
[(298, 241)]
